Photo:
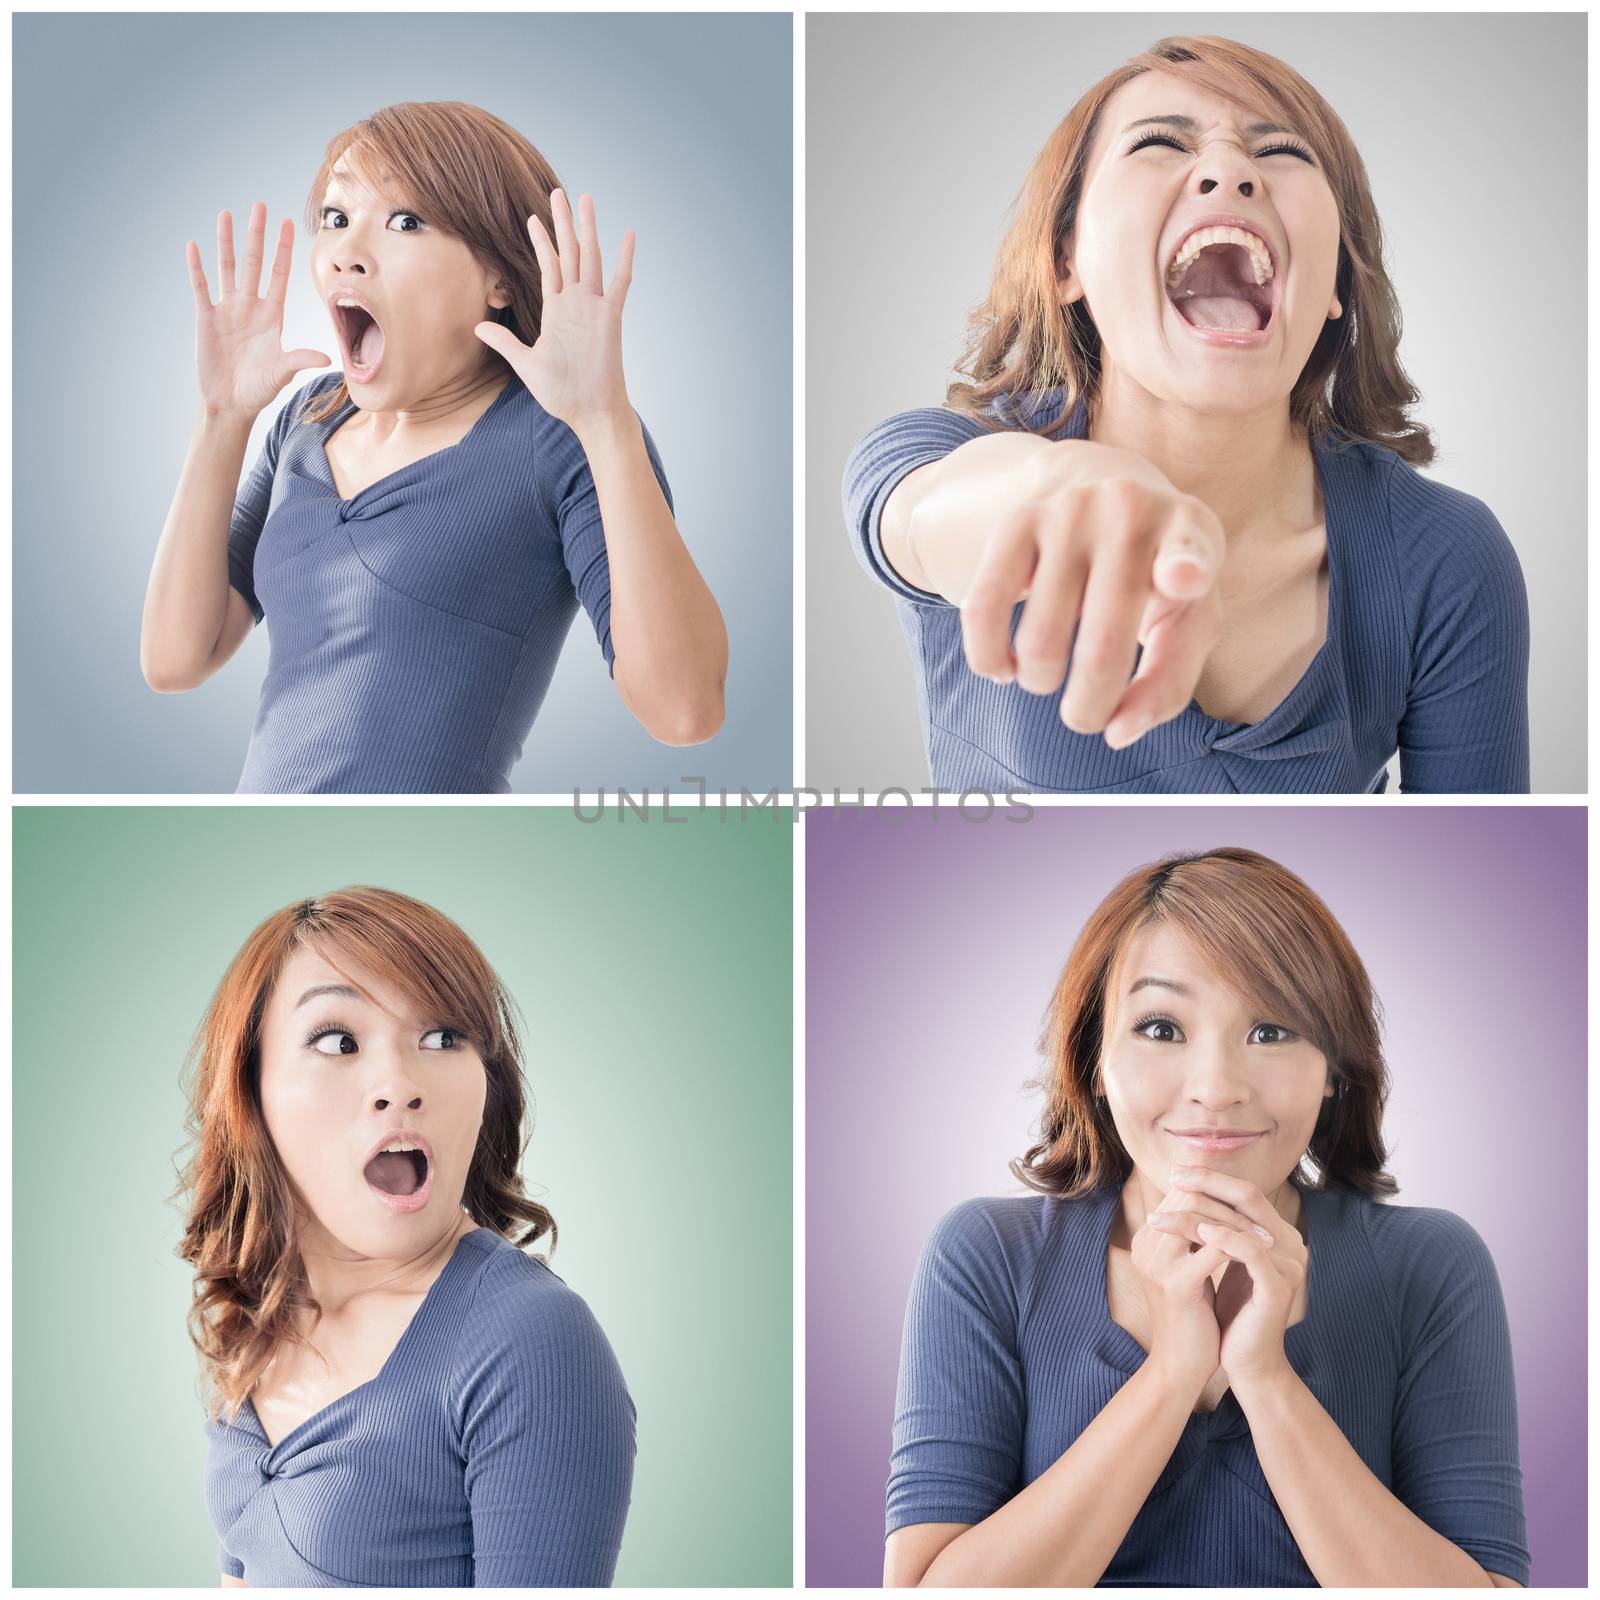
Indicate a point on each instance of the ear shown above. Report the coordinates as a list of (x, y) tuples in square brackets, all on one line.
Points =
[(1334, 308), (1068, 289), (498, 298)]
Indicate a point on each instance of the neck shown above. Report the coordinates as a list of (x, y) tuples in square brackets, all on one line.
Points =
[(336, 1275), (384, 427), (1254, 469)]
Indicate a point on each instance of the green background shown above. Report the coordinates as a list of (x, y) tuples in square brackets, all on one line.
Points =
[(651, 961)]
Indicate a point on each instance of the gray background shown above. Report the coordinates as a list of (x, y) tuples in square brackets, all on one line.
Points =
[(919, 132), (134, 131)]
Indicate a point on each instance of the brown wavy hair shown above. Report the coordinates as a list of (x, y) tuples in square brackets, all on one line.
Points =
[(469, 175), (1022, 340), (1272, 939), (239, 1232)]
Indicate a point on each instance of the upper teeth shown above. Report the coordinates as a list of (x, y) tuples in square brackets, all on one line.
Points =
[(1260, 257), (356, 303), (398, 1146)]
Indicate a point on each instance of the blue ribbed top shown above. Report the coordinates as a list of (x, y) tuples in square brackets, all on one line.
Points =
[(495, 1448), (1010, 1352), (1426, 650), (414, 628)]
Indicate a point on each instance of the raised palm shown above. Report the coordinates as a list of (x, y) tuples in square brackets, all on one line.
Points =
[(574, 368), (239, 356)]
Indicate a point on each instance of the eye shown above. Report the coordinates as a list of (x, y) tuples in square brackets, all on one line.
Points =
[(334, 211), (449, 1039), (1283, 147), (333, 1042), (1271, 1033), (1158, 1029)]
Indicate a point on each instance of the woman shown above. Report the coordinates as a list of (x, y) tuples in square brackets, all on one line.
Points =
[(420, 529), (409, 1399), (1181, 1362), (1185, 432)]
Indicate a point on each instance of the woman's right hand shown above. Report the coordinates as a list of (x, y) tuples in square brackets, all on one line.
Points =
[(239, 355), (1180, 1301), (1100, 541)]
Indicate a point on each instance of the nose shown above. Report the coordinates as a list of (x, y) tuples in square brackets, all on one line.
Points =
[(1216, 1075), (395, 1080), (1220, 168)]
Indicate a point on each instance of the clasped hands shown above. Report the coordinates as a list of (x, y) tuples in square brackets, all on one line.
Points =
[(1256, 1299)]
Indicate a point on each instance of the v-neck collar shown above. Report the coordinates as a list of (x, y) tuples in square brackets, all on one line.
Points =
[(349, 409), (425, 1308)]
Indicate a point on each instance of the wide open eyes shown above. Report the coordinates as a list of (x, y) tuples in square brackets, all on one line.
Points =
[(334, 211)]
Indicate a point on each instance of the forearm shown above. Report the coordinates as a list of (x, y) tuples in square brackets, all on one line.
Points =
[(186, 599), (1065, 1527), (936, 522), (1351, 1530), (668, 638)]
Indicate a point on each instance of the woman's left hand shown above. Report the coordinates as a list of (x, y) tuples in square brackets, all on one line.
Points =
[(574, 368), (1259, 1292)]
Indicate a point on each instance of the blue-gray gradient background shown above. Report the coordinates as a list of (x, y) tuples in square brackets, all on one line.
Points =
[(919, 133), (133, 131)]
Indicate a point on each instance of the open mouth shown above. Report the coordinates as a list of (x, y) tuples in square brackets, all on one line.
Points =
[(1218, 291), (401, 1179), (362, 340)]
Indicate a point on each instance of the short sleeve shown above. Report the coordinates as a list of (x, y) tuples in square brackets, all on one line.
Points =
[(547, 1434), (960, 1407), (1465, 725), (1455, 1457), (583, 542), (253, 502), (877, 464), (229, 1563)]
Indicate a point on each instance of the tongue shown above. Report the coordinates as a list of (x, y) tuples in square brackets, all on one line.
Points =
[(1219, 311), (394, 1172), (367, 351)]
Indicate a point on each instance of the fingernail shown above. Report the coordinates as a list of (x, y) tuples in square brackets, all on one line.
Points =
[(1208, 1228), (1265, 1234), (1124, 731)]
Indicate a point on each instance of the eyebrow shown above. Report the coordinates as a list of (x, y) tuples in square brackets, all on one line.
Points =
[(341, 989), (1159, 983), (1189, 125)]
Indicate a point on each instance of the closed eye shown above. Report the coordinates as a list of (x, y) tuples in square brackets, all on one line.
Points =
[(334, 211), (1283, 147)]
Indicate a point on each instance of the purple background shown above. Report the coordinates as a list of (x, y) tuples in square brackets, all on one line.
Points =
[(932, 947)]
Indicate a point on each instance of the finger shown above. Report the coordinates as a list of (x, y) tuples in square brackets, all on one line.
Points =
[(278, 283), (1189, 557), (566, 239), (589, 246), (1244, 1196), (549, 265), (1002, 575), (1237, 1243), (225, 254), (623, 276), (254, 249), (1190, 1223), (1177, 646), (1108, 637), (1049, 614), (197, 277)]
